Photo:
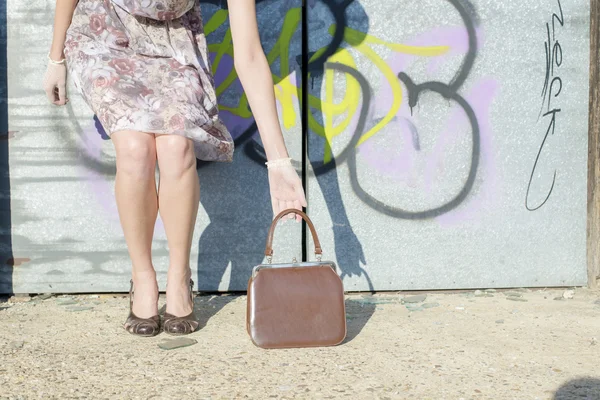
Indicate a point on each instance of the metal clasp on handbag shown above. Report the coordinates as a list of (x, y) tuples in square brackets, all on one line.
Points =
[(294, 260)]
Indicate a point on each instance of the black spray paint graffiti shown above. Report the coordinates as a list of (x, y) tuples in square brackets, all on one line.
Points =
[(554, 56), (448, 91)]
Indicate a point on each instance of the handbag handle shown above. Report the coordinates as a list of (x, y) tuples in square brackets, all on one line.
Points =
[(269, 248)]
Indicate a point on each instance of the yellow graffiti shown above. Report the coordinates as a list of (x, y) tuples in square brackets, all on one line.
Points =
[(362, 43), (285, 90), (287, 93)]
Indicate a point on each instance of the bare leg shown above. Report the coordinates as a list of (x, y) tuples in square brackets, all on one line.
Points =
[(137, 204), (178, 197)]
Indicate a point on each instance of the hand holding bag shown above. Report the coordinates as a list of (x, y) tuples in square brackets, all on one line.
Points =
[(298, 304)]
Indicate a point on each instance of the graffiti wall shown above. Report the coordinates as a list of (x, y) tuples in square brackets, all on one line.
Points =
[(444, 146), (448, 141)]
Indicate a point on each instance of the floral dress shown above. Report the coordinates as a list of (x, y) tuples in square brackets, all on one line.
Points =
[(143, 65)]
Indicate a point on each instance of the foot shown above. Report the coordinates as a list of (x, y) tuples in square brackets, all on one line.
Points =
[(179, 302), (145, 294)]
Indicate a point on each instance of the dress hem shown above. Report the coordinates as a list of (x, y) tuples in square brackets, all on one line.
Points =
[(198, 150)]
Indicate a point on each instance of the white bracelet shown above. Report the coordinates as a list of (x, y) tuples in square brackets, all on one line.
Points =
[(279, 162), (56, 62)]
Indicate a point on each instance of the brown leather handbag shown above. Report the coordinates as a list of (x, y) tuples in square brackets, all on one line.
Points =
[(297, 304)]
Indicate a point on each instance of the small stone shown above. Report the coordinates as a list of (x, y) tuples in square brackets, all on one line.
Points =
[(65, 302), (478, 293), (44, 296), (593, 342), (516, 299), (177, 343), (559, 298), (430, 305), (459, 308), (16, 344), (20, 298), (94, 296), (513, 294), (78, 308), (373, 300), (597, 302), (415, 299), (568, 294)]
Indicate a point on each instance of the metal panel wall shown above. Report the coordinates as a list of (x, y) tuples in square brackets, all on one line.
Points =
[(448, 141), (447, 148)]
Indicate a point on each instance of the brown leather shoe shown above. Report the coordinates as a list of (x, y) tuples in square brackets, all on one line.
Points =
[(140, 326), (177, 326)]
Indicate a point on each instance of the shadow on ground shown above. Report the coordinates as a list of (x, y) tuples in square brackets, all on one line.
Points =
[(3, 299), (358, 313), (581, 389), (207, 306)]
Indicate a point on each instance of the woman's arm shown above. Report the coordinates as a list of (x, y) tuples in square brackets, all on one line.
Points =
[(62, 21), (255, 75)]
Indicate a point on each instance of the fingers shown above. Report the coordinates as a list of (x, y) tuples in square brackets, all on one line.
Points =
[(290, 204), (280, 207), (50, 93), (62, 94), (300, 195), (300, 200), (298, 206), (55, 85)]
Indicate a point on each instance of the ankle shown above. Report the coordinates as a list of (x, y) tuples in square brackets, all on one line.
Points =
[(179, 275), (143, 276)]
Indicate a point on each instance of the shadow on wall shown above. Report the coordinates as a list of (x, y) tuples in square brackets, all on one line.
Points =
[(6, 256), (348, 248), (582, 388), (344, 14)]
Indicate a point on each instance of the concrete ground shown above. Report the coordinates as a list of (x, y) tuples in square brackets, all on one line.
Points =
[(517, 344)]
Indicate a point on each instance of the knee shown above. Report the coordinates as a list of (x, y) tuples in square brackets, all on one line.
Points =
[(136, 156), (175, 155)]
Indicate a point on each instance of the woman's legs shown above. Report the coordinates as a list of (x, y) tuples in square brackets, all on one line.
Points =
[(135, 190), (178, 198)]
